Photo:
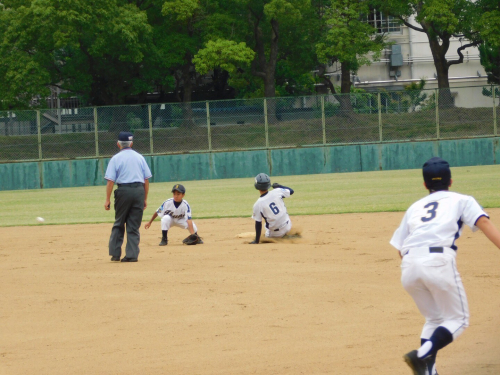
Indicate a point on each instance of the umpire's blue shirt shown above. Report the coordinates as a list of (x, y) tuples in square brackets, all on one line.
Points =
[(126, 167)]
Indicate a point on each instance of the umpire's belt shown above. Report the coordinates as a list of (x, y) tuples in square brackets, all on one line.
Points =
[(423, 251), (132, 184)]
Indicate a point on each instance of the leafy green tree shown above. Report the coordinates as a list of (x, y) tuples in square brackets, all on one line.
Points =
[(488, 25), (440, 20), (347, 39)]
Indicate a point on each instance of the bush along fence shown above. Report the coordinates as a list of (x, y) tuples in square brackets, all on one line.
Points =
[(253, 124)]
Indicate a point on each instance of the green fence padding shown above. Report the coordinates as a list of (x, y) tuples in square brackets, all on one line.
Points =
[(18, 176), (276, 162), (370, 157), (468, 152), (239, 164), (297, 161), (406, 155), (181, 167)]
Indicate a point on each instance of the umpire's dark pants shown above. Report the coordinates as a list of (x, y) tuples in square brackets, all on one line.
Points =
[(129, 208)]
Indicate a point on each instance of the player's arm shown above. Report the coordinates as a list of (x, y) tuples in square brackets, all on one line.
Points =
[(148, 224), (258, 231), (190, 226), (109, 190), (489, 230), (276, 185)]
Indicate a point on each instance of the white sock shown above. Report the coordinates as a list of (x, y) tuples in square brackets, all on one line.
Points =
[(424, 349)]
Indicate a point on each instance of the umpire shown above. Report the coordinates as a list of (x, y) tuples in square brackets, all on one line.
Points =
[(129, 170)]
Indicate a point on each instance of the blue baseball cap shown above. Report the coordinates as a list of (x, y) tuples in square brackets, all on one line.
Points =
[(125, 137), (178, 187), (437, 174)]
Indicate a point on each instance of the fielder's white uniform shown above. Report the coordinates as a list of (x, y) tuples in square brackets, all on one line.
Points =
[(175, 216), (426, 240), (271, 208)]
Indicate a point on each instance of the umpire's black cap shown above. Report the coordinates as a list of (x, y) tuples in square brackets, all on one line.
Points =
[(125, 137), (437, 174), (181, 189)]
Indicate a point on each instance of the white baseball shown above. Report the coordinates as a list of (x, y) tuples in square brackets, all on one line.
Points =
[(40, 219)]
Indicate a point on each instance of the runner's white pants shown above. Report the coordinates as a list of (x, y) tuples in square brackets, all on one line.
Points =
[(280, 232), (167, 222), (434, 283)]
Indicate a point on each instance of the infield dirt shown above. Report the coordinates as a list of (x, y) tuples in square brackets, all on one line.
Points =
[(329, 303)]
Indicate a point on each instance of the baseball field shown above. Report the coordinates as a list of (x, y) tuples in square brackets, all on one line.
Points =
[(330, 302)]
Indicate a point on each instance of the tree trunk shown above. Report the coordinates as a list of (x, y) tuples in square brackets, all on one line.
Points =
[(345, 88), (442, 67)]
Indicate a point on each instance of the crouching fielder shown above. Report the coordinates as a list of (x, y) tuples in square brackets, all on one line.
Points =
[(271, 208), (426, 242)]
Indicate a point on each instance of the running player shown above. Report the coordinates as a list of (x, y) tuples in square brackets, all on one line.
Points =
[(271, 208), (426, 243), (174, 212)]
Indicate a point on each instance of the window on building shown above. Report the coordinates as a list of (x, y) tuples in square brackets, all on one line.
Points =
[(383, 23)]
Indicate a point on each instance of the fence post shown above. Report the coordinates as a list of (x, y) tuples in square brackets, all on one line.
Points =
[(208, 127), (494, 111), (266, 125), (39, 127), (379, 103), (96, 133), (150, 120), (323, 122), (437, 112)]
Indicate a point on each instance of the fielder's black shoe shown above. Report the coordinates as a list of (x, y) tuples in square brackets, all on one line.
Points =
[(163, 242), (418, 365), (115, 259), (129, 259)]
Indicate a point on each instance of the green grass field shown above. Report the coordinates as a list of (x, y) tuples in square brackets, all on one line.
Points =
[(336, 193)]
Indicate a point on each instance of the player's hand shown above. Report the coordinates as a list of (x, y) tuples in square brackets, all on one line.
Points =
[(107, 205), (147, 225), (253, 242)]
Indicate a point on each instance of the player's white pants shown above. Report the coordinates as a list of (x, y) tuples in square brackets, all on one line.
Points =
[(167, 222), (280, 232), (434, 283)]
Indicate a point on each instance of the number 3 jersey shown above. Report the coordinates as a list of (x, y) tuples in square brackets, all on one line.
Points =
[(271, 208), (436, 220)]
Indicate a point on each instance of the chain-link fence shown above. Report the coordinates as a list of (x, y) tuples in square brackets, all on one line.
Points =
[(252, 124)]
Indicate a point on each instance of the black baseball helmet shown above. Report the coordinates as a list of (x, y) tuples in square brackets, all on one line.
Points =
[(181, 189), (437, 174), (262, 182)]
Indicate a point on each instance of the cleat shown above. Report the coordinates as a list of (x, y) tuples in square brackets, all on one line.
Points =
[(163, 243), (418, 365)]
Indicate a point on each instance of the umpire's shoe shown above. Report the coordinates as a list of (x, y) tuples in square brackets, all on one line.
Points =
[(164, 242), (418, 365), (115, 259)]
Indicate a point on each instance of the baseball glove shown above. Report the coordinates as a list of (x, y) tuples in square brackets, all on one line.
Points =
[(192, 239), (276, 185)]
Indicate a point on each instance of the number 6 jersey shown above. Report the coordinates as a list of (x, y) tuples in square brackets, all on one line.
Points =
[(271, 208), (436, 220)]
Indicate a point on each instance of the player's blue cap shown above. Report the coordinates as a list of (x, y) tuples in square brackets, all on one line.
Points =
[(125, 137), (437, 174), (178, 187)]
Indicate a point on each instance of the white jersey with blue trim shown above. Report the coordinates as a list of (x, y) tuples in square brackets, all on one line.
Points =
[(181, 213), (436, 220), (271, 208)]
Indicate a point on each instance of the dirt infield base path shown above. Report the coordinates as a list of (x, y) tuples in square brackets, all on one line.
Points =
[(331, 303)]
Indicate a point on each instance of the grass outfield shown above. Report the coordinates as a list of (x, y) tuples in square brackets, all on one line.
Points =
[(380, 191)]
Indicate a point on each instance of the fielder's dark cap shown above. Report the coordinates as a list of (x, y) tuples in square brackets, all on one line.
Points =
[(181, 189), (125, 137), (437, 174)]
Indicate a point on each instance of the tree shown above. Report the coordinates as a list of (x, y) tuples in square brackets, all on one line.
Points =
[(347, 39), (440, 20), (488, 25)]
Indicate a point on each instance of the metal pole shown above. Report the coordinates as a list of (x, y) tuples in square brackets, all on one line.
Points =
[(379, 103), (39, 126), (58, 101), (208, 127), (437, 112), (150, 118), (96, 133), (494, 111), (323, 122), (266, 125)]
